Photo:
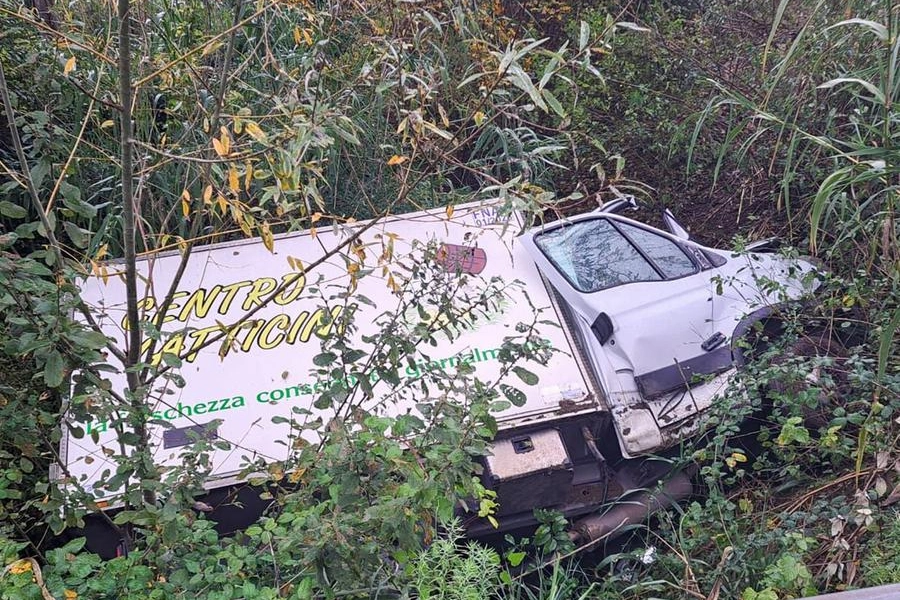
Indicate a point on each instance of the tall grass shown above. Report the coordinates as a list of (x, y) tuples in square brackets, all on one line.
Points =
[(826, 113)]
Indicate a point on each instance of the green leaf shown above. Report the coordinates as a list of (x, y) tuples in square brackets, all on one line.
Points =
[(93, 340), (877, 94), (38, 173), (324, 359), (884, 346), (351, 356), (515, 558), (834, 182), (71, 197), (525, 375), (79, 236), (171, 360), (51, 220), (553, 103), (70, 192), (54, 369), (584, 35), (519, 78), (74, 546), (514, 395), (325, 401), (779, 13), (880, 31), (12, 211), (631, 26)]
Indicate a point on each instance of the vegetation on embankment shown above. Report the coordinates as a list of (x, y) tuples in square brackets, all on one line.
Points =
[(745, 118)]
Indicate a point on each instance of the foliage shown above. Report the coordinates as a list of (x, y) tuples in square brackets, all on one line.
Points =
[(246, 120), (880, 561), (443, 572), (253, 119)]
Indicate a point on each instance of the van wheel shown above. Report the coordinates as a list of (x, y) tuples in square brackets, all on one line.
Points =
[(811, 375)]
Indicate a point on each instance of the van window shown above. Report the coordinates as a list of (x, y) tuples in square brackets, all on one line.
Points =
[(593, 255), (665, 254)]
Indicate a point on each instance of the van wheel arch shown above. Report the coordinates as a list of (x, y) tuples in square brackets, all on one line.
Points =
[(760, 329)]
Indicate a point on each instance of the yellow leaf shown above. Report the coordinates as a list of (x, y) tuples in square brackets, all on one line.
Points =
[(19, 567), (268, 239), (207, 195), (296, 475), (297, 35), (107, 123), (315, 217), (479, 118), (209, 48), (233, 183), (312, 232), (396, 160), (444, 118), (185, 203), (219, 147), (70, 66), (392, 283), (70, 594), (254, 131), (307, 37), (248, 175), (450, 211), (226, 139)]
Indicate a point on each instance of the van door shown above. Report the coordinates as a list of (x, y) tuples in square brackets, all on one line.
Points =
[(645, 304)]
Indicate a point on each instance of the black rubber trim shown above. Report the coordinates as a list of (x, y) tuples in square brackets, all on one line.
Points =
[(602, 328), (681, 376), (743, 328), (716, 259)]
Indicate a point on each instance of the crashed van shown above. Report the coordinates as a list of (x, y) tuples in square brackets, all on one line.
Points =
[(640, 331)]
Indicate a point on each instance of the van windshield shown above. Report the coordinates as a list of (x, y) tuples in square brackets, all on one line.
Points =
[(593, 255)]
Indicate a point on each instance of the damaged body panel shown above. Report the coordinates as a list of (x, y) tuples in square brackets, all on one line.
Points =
[(655, 315)]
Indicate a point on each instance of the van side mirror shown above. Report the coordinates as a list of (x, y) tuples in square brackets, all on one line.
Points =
[(619, 205), (674, 226)]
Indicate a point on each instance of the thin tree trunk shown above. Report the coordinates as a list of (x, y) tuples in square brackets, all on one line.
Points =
[(144, 464)]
